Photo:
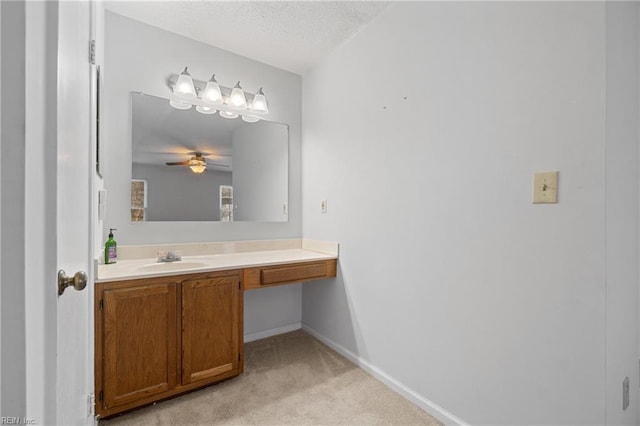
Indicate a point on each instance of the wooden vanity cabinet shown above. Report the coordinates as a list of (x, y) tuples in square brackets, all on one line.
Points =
[(211, 318), (159, 337), (269, 276), (140, 335)]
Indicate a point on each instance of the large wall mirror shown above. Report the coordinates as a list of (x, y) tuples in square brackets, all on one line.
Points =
[(189, 166)]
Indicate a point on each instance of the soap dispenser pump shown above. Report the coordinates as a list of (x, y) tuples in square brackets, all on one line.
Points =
[(110, 248)]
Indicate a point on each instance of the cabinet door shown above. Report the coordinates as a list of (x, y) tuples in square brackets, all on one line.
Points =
[(140, 336), (210, 328)]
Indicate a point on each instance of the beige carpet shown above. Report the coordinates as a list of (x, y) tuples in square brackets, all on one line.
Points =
[(289, 379)]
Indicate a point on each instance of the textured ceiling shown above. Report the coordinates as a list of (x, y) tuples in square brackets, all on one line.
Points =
[(291, 35)]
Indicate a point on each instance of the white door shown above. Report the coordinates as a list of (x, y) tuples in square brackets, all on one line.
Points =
[(75, 173)]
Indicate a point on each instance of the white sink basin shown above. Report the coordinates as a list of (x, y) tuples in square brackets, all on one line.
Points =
[(173, 266)]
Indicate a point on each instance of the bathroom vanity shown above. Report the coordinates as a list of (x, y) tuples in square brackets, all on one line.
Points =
[(162, 329)]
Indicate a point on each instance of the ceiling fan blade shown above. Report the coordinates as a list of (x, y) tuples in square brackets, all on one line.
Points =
[(219, 165), (198, 153), (181, 163)]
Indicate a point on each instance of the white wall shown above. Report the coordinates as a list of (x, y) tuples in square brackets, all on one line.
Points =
[(622, 209), (142, 58), (260, 172), (176, 193), (1, 208), (459, 288), (12, 181)]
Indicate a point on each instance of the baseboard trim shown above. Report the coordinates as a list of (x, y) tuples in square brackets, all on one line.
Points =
[(423, 403), (272, 332)]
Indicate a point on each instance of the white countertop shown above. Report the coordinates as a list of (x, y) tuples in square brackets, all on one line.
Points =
[(127, 269)]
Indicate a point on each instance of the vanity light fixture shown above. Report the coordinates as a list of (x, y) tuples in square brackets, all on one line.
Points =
[(205, 109), (259, 103), (237, 100), (180, 104), (184, 86), (228, 114), (212, 92), (250, 118), (209, 97)]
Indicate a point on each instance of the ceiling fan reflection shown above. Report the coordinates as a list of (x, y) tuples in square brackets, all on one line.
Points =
[(197, 163)]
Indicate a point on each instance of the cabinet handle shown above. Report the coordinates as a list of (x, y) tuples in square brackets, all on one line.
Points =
[(78, 281)]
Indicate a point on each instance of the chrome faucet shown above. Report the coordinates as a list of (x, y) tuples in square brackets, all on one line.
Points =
[(169, 256)]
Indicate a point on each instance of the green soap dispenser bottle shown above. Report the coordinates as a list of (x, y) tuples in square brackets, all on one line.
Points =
[(110, 248)]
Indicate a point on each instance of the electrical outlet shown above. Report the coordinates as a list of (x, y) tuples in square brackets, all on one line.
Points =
[(625, 393), (323, 206)]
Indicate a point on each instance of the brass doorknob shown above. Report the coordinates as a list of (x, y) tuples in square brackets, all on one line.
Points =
[(78, 281)]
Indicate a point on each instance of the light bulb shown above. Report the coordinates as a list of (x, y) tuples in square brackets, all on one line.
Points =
[(205, 110), (259, 104), (237, 99), (180, 104), (228, 114), (250, 118), (212, 91), (184, 85), (197, 164)]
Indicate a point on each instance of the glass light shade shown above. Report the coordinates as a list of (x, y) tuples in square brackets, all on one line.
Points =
[(228, 114), (259, 103), (198, 169), (184, 85), (237, 99), (212, 91), (250, 118), (205, 110), (197, 165), (180, 104)]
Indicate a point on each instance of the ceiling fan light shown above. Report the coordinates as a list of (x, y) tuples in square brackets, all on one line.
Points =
[(237, 100), (198, 169), (197, 164), (212, 92), (205, 109), (184, 85), (180, 104), (228, 114), (250, 118), (259, 103)]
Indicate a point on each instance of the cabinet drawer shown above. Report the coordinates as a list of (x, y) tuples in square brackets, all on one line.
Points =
[(288, 274)]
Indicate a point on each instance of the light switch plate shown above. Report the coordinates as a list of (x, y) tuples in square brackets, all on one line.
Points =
[(102, 203), (545, 187)]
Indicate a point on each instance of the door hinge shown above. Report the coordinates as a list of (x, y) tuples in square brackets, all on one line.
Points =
[(92, 404), (101, 305), (92, 52), (625, 393)]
